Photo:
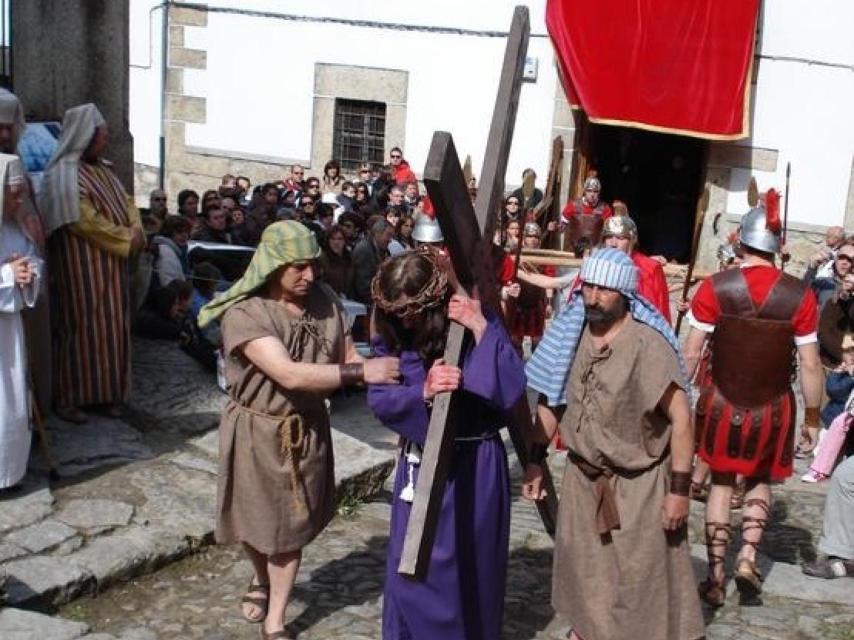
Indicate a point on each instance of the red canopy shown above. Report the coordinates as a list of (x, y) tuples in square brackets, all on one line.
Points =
[(678, 66)]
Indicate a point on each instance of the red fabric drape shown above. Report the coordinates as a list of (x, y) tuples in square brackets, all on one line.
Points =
[(679, 66)]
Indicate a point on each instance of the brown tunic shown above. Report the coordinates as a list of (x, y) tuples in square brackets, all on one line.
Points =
[(260, 500), (636, 581)]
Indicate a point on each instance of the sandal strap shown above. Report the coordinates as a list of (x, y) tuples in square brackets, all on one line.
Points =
[(258, 602)]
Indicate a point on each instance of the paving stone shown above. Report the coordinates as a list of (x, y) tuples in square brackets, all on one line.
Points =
[(101, 442), (32, 503), (90, 515), (69, 546), (788, 581), (18, 624), (8, 551), (360, 469), (44, 580), (138, 633), (41, 536), (209, 443), (195, 463), (98, 636), (176, 498)]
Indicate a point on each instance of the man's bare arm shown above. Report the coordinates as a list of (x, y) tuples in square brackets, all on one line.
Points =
[(693, 349)]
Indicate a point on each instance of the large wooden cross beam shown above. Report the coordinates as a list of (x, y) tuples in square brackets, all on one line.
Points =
[(468, 235)]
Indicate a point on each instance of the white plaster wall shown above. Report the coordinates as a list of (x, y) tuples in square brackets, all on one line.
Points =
[(804, 110), (259, 82), (145, 60)]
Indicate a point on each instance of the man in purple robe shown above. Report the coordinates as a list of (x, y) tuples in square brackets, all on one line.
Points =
[(462, 597)]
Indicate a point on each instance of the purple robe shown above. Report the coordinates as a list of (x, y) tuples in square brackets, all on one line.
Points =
[(462, 597)]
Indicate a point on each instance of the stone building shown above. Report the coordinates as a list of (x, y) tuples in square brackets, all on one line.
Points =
[(252, 87)]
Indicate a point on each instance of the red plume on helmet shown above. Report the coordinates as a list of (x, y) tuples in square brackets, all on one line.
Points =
[(427, 207), (772, 211)]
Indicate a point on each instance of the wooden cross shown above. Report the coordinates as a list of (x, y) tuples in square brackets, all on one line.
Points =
[(468, 236)]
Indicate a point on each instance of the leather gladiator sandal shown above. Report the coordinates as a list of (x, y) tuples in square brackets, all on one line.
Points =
[(713, 591), (747, 577), (807, 442), (261, 601)]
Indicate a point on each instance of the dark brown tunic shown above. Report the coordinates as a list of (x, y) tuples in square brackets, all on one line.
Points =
[(636, 581), (276, 486)]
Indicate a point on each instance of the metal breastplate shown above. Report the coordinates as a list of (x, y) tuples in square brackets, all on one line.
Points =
[(753, 350)]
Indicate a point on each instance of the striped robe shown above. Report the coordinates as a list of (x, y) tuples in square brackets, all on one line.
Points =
[(91, 296)]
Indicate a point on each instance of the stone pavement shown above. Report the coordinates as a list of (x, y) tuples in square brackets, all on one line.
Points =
[(138, 493)]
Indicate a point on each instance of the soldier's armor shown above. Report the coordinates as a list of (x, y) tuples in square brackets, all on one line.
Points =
[(584, 225), (746, 410)]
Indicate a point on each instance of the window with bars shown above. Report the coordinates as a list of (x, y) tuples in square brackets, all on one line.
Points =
[(359, 133)]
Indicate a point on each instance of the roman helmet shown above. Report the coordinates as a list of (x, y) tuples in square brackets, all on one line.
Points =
[(760, 227), (592, 184), (531, 229), (426, 229), (622, 226)]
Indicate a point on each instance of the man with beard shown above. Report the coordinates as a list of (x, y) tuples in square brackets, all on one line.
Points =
[(610, 374), (583, 218)]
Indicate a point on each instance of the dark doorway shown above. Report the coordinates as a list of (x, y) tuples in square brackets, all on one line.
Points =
[(659, 177)]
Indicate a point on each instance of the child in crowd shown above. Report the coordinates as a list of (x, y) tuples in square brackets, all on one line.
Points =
[(836, 415)]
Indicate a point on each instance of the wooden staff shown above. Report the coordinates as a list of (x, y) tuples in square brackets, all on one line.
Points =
[(555, 258), (702, 205), (44, 443)]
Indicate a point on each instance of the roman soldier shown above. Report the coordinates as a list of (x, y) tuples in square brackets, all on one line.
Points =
[(583, 218), (621, 232), (755, 318), (526, 311)]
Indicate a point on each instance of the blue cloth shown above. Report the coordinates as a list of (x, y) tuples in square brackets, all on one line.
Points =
[(838, 386), (548, 368)]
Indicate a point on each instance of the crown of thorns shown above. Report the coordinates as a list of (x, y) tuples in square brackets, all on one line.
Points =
[(431, 295)]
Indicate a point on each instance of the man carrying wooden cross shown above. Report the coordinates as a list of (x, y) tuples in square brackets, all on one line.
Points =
[(610, 372)]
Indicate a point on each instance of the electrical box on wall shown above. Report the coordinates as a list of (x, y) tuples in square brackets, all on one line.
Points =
[(529, 72)]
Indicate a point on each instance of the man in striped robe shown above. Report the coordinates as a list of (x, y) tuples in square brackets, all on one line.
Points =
[(93, 227)]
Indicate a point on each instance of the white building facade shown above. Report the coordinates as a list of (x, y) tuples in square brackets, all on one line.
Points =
[(253, 86)]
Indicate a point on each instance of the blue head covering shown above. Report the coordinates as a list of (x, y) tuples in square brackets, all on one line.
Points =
[(548, 368)]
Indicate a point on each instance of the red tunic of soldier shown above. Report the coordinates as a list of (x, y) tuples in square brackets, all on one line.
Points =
[(583, 218)]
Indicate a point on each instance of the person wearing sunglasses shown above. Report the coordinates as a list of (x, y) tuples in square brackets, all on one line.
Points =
[(400, 167)]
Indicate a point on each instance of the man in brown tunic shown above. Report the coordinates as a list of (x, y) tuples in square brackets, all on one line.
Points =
[(287, 347), (622, 567)]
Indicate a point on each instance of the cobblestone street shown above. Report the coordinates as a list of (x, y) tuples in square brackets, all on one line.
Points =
[(338, 593)]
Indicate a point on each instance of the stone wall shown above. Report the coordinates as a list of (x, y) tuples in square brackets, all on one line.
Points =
[(70, 52)]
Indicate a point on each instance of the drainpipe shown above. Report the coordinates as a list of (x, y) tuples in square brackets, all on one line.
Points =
[(164, 60)]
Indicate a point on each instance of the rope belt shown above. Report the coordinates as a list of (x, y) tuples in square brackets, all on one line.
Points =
[(292, 440)]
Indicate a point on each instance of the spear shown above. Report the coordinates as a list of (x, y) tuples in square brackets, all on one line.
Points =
[(702, 205), (783, 257)]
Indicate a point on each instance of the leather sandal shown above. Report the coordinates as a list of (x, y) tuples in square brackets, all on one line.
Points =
[(807, 443), (736, 500), (259, 601), (748, 580), (711, 592)]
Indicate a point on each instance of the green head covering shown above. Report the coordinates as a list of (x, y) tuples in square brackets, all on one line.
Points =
[(281, 244)]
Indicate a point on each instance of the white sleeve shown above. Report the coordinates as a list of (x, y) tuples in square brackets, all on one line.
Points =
[(30, 292), (702, 326), (10, 293)]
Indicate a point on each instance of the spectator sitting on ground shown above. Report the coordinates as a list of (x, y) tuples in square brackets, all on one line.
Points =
[(824, 288), (402, 172), (335, 265), (836, 543), (840, 382), (213, 229), (332, 179), (171, 249), (201, 344), (368, 255), (161, 317), (402, 236)]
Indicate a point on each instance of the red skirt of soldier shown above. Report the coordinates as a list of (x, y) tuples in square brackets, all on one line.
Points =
[(527, 321), (756, 443)]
